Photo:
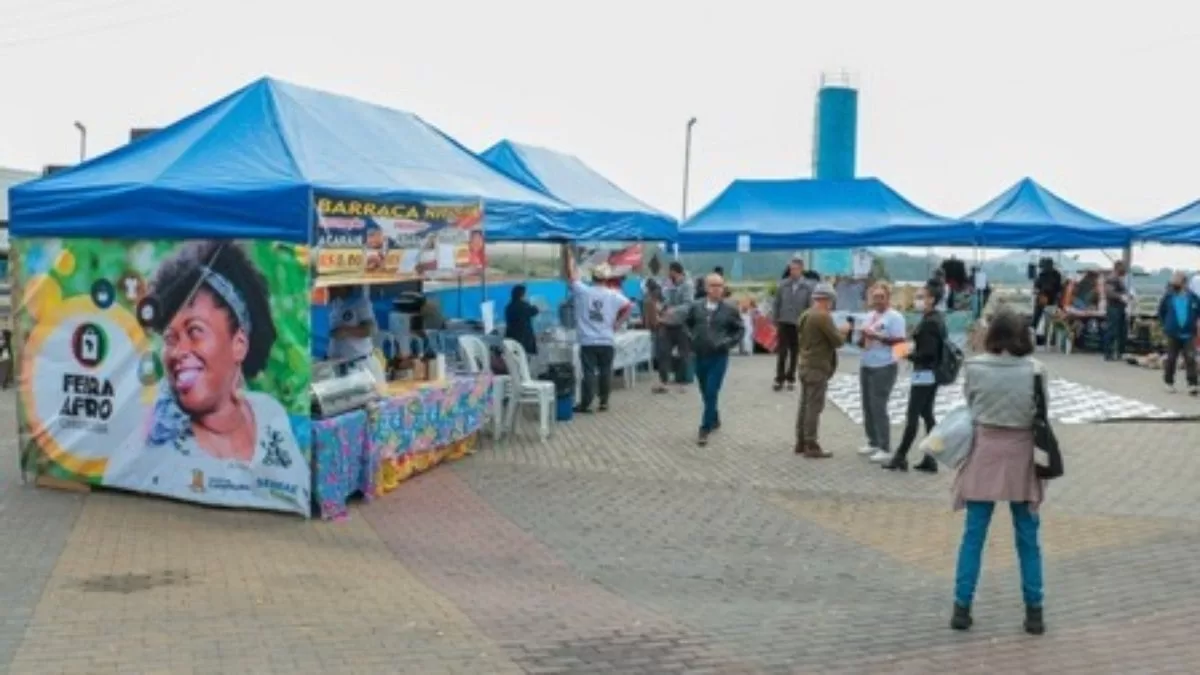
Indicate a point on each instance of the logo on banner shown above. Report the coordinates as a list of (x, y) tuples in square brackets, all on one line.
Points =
[(89, 345)]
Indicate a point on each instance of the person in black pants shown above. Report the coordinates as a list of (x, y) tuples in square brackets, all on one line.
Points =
[(928, 341), (1116, 315), (793, 297)]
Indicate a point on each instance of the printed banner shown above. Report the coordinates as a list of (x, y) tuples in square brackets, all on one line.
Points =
[(173, 368), (398, 239)]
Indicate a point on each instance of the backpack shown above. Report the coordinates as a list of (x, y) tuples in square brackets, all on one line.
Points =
[(949, 363)]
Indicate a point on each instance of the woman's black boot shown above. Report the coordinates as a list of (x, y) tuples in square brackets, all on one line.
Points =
[(896, 463), (1034, 624), (962, 617), (927, 464)]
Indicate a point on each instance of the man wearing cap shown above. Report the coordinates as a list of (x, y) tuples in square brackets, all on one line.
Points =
[(599, 309), (818, 341), (792, 298)]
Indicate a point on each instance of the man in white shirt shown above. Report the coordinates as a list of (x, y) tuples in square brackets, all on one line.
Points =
[(883, 330), (599, 309)]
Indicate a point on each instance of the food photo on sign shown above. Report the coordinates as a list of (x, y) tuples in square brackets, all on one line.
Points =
[(176, 369)]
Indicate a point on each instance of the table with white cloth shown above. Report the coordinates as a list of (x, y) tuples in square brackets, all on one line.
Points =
[(631, 348)]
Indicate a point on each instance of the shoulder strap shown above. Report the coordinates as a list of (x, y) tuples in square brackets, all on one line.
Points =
[(1039, 396)]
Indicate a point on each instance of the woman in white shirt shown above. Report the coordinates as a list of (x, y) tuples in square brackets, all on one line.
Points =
[(209, 438)]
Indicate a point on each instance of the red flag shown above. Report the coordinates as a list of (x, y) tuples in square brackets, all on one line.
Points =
[(630, 256)]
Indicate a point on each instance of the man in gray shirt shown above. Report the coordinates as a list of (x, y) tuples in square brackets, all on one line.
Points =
[(793, 298), (672, 337)]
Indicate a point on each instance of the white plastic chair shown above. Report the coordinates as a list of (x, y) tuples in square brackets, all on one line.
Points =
[(477, 356), (525, 390)]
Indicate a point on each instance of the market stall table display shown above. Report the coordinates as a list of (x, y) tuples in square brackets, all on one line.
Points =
[(414, 428)]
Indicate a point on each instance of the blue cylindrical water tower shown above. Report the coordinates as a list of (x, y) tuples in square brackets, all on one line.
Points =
[(835, 128)]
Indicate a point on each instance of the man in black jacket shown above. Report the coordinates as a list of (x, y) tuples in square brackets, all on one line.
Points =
[(714, 327)]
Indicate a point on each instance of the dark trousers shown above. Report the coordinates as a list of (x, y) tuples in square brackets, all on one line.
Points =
[(596, 362), (671, 338), (787, 351), (710, 374), (1176, 347), (921, 398), (1113, 341), (813, 387)]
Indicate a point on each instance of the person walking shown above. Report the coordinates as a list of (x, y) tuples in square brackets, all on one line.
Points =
[(929, 339), (884, 329), (999, 387), (1116, 293), (672, 337), (1179, 316), (714, 327), (792, 299), (599, 309), (818, 341)]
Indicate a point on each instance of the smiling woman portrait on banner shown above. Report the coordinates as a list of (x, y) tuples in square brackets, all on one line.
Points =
[(207, 433)]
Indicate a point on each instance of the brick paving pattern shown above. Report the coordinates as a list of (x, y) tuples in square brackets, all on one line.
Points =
[(621, 547)]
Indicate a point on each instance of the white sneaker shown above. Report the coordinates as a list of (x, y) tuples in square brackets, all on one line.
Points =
[(880, 457), (867, 450), (1171, 389)]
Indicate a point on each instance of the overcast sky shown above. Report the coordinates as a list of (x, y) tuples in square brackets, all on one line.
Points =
[(959, 99)]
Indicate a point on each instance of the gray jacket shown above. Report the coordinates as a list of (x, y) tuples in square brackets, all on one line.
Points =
[(676, 299), (713, 332), (793, 298), (999, 389)]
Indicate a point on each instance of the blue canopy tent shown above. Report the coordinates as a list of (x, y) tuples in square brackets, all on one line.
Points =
[(811, 214), (602, 211), (1028, 216), (1181, 226), (248, 166)]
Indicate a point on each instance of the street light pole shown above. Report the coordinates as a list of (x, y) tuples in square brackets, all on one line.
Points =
[(687, 168), (82, 140)]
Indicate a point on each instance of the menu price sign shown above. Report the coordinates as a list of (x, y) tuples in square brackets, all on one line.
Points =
[(398, 239)]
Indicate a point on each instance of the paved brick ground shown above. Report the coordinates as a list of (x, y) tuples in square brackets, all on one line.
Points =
[(619, 546)]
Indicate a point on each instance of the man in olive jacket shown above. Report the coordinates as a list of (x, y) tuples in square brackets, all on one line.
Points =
[(819, 341)]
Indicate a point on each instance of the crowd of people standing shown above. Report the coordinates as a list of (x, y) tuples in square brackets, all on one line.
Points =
[(1004, 389)]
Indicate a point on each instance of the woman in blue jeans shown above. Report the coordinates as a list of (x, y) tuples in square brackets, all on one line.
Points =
[(999, 387)]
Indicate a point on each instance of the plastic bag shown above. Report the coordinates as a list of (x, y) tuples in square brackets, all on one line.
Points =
[(951, 439)]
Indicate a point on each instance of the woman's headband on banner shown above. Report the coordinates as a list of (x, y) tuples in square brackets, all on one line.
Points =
[(229, 294)]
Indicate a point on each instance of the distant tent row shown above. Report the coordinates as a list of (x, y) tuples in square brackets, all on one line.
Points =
[(249, 165), (814, 214)]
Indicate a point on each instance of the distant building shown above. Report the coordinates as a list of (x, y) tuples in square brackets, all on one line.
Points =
[(9, 178)]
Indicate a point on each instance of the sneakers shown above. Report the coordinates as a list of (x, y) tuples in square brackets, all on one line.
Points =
[(1193, 391), (1171, 389), (868, 450), (881, 456)]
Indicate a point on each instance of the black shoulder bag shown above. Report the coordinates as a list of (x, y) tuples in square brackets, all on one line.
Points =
[(1043, 435)]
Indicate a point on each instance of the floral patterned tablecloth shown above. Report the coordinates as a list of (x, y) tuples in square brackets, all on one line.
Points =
[(370, 451)]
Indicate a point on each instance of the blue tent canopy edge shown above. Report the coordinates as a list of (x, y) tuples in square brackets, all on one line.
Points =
[(601, 211), (251, 164), (774, 214), (1029, 216), (1181, 226)]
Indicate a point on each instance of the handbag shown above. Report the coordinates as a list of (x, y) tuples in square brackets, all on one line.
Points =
[(1043, 435), (951, 440)]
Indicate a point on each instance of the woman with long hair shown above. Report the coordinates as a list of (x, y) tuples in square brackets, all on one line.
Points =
[(999, 388)]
